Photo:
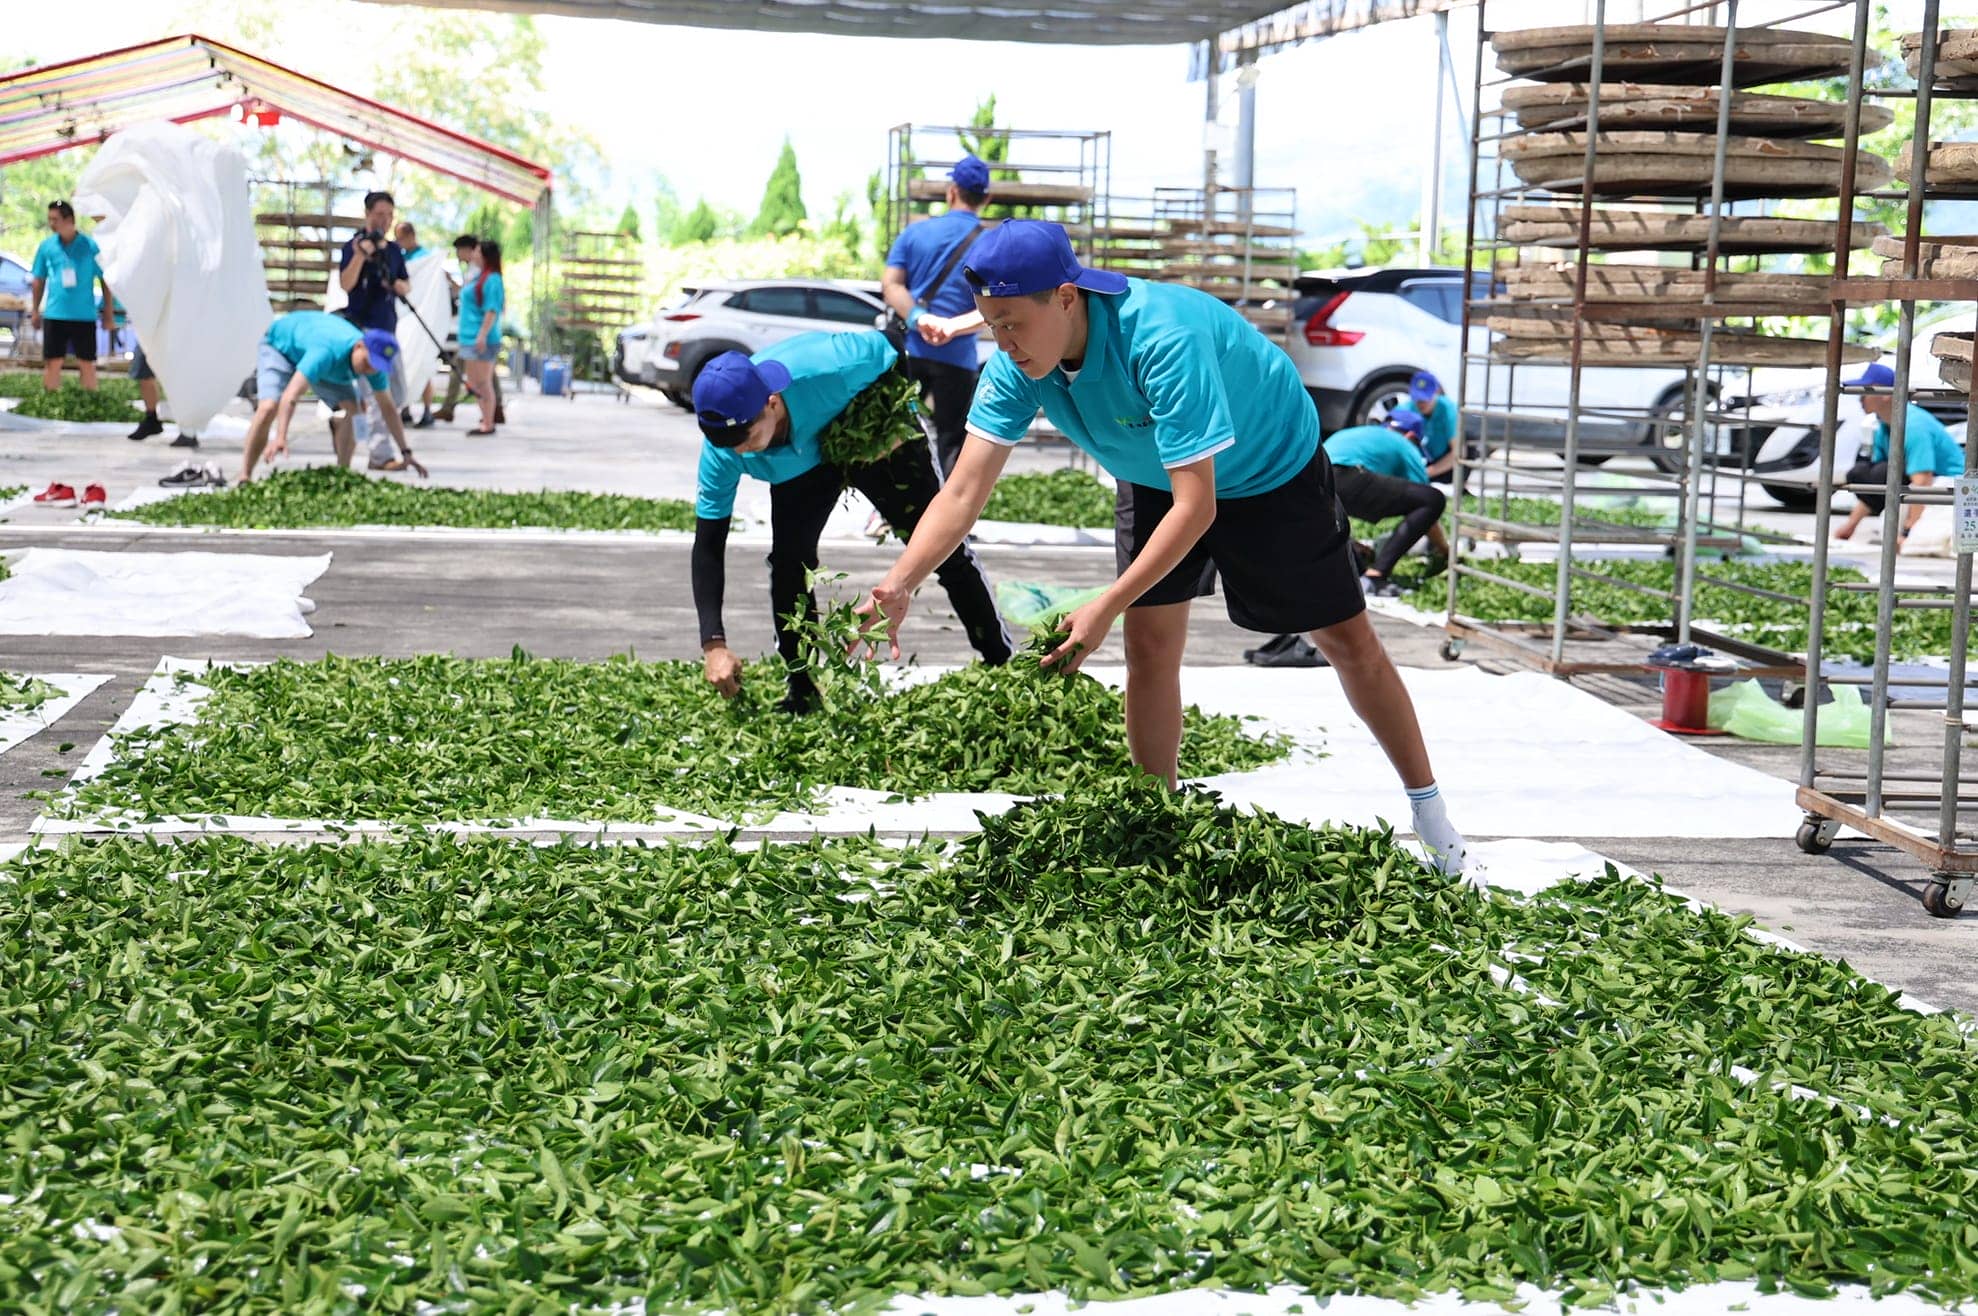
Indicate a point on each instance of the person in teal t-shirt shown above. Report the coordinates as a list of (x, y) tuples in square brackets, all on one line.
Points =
[(1215, 444), (65, 269), (1380, 475), (1928, 453), (314, 349), (482, 300), (763, 417), (1440, 422)]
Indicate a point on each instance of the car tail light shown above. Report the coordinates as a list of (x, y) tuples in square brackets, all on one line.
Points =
[(681, 317), (672, 352), (1319, 331)]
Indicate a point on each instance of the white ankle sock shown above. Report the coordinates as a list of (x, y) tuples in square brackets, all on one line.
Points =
[(1447, 850)]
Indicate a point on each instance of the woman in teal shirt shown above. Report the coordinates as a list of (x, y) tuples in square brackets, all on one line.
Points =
[(481, 302)]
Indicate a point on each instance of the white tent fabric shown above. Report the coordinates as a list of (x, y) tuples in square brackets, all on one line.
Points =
[(180, 253)]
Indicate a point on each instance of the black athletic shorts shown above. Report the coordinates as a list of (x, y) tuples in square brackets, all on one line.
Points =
[(60, 338), (1285, 557)]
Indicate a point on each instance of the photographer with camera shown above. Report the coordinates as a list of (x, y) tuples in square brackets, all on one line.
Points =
[(373, 276)]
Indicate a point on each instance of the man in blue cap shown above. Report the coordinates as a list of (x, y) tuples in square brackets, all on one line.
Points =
[(313, 349), (1380, 474), (1928, 451), (1215, 444), (1439, 423), (923, 283), (762, 417)]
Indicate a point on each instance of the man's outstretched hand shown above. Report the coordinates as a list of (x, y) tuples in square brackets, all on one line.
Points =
[(880, 611)]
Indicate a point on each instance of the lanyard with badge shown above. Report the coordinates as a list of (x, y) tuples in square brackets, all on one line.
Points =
[(68, 265)]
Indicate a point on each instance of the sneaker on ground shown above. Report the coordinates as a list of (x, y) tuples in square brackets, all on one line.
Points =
[(185, 440), (215, 479), (188, 476), (1286, 651), (147, 427), (94, 499), (425, 421), (56, 495)]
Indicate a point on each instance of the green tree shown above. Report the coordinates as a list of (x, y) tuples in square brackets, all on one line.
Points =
[(628, 223), (844, 227), (782, 211), (698, 225), (992, 148)]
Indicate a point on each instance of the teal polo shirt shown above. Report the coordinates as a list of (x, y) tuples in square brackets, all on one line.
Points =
[(1378, 449), (71, 272), (1170, 376), (319, 345), (827, 371), (1926, 445), (1438, 428)]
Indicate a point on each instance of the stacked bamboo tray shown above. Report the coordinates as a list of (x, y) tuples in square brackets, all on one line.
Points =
[(1656, 141)]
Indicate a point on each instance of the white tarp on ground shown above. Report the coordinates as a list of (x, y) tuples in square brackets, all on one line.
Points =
[(17, 725), (180, 253), (60, 591), (1518, 755)]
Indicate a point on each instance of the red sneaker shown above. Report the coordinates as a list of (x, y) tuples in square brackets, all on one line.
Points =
[(56, 495), (94, 499)]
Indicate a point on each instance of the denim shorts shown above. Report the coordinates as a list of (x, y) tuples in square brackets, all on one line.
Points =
[(469, 352), (272, 372)]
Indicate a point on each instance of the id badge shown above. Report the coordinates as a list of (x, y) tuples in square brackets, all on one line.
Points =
[(69, 277)]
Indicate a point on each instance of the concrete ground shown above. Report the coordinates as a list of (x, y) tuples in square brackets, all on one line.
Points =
[(585, 598)]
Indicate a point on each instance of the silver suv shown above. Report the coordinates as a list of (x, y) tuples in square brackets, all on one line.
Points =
[(743, 315)]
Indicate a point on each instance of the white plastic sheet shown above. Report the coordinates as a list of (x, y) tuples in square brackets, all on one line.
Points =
[(59, 591), (180, 253), (419, 355)]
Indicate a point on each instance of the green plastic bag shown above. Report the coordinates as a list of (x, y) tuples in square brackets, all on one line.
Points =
[(1028, 603), (1744, 710)]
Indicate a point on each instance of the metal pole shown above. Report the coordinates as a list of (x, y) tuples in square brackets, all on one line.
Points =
[(1960, 611), (1892, 508), (1823, 507), (1211, 109), (1459, 474), (1432, 183), (1563, 584), (1700, 405)]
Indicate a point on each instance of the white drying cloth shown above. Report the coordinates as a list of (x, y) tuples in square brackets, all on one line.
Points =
[(60, 591), (17, 725), (419, 355), (1518, 755), (180, 251)]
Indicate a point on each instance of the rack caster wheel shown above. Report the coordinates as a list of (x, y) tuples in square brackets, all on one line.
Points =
[(1816, 835), (1452, 650), (1944, 897)]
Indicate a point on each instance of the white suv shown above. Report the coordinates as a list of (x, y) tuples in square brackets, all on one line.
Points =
[(1359, 335), (737, 316)]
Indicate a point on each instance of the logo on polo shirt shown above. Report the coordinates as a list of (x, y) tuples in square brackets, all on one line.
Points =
[(1133, 423)]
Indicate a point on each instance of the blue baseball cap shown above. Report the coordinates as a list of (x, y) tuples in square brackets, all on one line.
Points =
[(1875, 376), (730, 393), (1022, 256), (1423, 388), (1407, 420), (382, 345), (971, 175)]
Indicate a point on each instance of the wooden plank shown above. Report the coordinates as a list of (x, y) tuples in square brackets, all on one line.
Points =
[(296, 219), (1007, 194)]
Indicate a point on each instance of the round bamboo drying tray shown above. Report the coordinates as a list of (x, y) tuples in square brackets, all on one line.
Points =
[(1645, 345), (1680, 164), (1671, 53), (1618, 229), (1640, 106), (1957, 56), (1944, 256)]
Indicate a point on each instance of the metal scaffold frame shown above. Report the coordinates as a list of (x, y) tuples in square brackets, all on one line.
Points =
[(1054, 174), (1704, 486), (1890, 808)]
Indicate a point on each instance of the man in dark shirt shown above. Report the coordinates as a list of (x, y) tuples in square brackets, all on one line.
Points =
[(373, 276)]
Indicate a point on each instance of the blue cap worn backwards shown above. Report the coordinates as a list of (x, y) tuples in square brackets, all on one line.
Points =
[(730, 393), (971, 175), (1022, 256), (1875, 376)]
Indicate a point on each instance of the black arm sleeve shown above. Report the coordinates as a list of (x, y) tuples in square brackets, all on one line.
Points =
[(710, 575)]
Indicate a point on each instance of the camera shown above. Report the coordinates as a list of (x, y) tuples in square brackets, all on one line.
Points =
[(377, 241)]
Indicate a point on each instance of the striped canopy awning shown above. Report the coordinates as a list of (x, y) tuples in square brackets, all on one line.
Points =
[(79, 102)]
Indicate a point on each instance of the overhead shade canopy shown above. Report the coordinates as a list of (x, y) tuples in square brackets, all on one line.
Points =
[(79, 102), (1068, 22)]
